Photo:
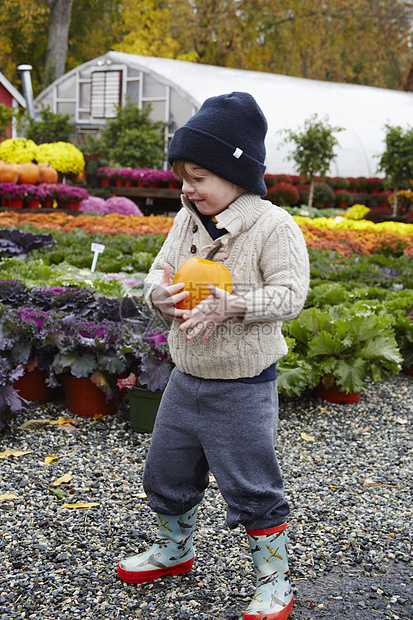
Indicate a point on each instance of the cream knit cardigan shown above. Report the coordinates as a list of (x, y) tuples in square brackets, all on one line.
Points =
[(265, 252)]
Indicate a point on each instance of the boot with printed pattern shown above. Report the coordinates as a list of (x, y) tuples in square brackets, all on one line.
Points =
[(172, 552), (273, 599)]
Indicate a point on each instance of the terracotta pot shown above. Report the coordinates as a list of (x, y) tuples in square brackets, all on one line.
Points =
[(128, 183), (408, 371), (32, 386), (85, 399), (105, 181), (143, 408), (33, 203), (5, 202), (16, 203), (119, 183), (335, 395), (72, 205), (48, 203)]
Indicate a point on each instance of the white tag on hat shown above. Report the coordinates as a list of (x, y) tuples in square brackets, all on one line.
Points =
[(237, 153)]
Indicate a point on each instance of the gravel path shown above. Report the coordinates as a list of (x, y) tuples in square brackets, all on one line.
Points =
[(348, 473)]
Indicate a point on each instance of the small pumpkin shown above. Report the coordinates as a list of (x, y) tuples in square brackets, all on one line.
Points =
[(29, 173), (8, 173), (47, 174), (197, 273)]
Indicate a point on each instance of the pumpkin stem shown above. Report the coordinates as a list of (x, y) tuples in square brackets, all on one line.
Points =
[(214, 250)]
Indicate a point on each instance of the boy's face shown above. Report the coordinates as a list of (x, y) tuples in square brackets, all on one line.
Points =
[(209, 193)]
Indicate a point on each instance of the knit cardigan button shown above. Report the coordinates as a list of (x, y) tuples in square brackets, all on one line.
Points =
[(193, 249), (194, 228)]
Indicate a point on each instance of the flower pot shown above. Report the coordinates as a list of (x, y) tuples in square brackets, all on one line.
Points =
[(84, 398), (104, 181), (408, 370), (143, 408), (119, 183), (48, 203), (33, 203), (5, 202), (128, 183), (72, 205), (32, 386), (335, 395), (16, 203)]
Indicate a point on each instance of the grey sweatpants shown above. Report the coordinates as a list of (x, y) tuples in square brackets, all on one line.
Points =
[(227, 427)]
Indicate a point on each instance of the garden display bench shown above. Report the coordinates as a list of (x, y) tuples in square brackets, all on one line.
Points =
[(42, 210), (151, 199)]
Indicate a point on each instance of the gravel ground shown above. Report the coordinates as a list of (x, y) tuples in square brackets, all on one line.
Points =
[(348, 472)]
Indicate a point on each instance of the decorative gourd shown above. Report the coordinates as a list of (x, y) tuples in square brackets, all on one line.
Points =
[(8, 173), (197, 273), (47, 173), (29, 173)]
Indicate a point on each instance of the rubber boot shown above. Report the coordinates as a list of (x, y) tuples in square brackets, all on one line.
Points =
[(273, 599), (172, 552)]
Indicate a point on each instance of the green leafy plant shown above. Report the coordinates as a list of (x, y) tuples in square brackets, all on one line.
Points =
[(6, 115), (50, 127), (344, 347), (132, 139)]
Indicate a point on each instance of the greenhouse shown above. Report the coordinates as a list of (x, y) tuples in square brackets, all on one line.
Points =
[(176, 89)]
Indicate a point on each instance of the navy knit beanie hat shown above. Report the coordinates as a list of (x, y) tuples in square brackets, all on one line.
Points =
[(226, 136)]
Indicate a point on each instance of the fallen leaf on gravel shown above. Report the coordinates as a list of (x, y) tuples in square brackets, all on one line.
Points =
[(62, 421), (141, 496), (81, 505), (8, 496), (16, 453), (50, 458), (35, 425), (64, 478), (401, 420), (67, 427), (369, 482), (307, 437), (57, 493)]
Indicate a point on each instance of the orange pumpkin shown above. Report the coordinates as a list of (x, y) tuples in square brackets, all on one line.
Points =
[(47, 174), (29, 173), (8, 173), (197, 273)]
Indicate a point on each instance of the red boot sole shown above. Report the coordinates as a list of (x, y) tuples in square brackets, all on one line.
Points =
[(283, 614), (149, 575)]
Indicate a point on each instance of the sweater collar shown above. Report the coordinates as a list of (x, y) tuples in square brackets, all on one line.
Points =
[(239, 216)]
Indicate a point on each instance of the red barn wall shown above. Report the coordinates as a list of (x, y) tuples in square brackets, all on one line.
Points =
[(7, 100)]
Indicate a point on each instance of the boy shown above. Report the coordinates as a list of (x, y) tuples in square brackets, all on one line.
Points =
[(219, 411)]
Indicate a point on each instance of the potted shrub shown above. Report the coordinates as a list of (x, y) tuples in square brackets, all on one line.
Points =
[(283, 194), (90, 357), (343, 198), (341, 347), (69, 197), (149, 371), (25, 343), (323, 196)]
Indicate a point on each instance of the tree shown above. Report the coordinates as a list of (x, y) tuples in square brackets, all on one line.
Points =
[(314, 150), (57, 41), (133, 139), (397, 159)]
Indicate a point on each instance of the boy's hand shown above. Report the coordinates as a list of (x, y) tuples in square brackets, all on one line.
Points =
[(215, 309), (165, 295)]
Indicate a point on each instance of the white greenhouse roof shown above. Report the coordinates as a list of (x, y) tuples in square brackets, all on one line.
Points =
[(363, 111)]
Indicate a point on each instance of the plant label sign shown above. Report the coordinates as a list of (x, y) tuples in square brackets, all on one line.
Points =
[(97, 248)]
